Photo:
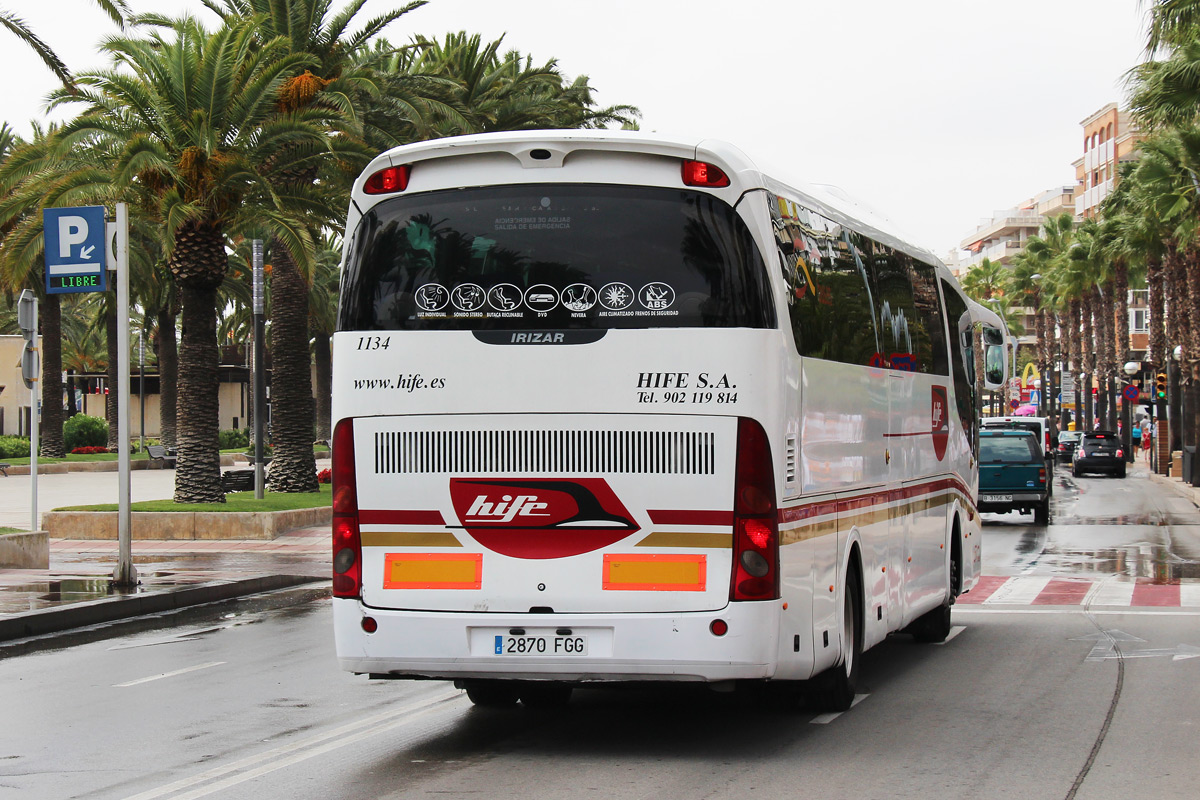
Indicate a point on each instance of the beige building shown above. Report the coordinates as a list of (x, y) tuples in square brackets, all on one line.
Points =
[(1110, 138), (15, 398)]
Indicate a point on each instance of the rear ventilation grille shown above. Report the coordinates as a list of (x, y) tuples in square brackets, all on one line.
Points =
[(790, 474), (546, 452)]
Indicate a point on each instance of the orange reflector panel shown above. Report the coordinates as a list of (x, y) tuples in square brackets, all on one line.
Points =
[(432, 570), (655, 573)]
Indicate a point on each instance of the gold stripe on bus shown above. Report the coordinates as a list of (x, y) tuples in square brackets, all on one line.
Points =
[(409, 539), (686, 539), (806, 532), (860, 520)]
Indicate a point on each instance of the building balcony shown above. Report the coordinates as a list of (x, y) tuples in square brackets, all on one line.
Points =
[(1005, 223)]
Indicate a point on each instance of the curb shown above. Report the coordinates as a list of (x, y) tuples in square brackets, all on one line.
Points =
[(184, 525), (78, 615)]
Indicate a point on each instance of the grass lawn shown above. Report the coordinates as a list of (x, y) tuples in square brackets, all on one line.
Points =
[(12, 530), (234, 502)]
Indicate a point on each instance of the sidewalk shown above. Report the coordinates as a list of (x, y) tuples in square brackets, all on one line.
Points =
[(75, 591)]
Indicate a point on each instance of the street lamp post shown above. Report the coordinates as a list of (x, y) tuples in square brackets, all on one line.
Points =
[(142, 389), (1131, 368)]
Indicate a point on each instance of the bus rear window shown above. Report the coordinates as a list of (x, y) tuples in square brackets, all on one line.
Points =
[(553, 257)]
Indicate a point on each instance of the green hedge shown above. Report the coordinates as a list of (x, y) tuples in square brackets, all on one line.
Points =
[(14, 446), (84, 431), (232, 438)]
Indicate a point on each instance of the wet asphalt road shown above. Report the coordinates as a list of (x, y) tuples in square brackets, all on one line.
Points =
[(1027, 702)]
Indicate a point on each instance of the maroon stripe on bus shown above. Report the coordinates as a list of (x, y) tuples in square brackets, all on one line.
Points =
[(389, 516)]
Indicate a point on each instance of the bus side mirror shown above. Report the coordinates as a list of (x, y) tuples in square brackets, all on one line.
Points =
[(995, 359)]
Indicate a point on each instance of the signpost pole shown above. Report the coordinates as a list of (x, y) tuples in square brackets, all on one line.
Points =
[(259, 377), (125, 575), (27, 319)]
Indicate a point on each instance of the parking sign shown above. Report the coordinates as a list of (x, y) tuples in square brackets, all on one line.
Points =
[(75, 249)]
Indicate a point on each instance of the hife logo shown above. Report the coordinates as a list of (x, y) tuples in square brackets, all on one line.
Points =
[(940, 420), (540, 517)]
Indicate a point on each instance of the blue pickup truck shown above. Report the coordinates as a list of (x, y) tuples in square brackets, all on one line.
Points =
[(1012, 474)]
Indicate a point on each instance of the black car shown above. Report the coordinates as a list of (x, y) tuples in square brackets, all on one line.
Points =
[(1067, 440), (1099, 451)]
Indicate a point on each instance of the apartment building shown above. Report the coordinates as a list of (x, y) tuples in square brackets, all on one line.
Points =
[(1110, 137)]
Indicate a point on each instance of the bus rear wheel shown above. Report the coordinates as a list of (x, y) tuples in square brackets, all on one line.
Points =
[(839, 685)]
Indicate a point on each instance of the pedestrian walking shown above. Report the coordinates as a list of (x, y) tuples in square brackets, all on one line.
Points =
[(1147, 436)]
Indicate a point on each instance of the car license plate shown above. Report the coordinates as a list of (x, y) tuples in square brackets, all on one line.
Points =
[(508, 645), (996, 498)]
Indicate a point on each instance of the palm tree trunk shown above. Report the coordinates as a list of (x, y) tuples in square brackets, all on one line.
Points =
[(167, 347), (51, 432), (293, 468), (198, 469), (1156, 352), (323, 358), (1190, 358)]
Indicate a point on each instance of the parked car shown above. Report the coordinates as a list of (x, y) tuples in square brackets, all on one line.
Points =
[(1013, 474), (1067, 440), (1099, 451), (1039, 426)]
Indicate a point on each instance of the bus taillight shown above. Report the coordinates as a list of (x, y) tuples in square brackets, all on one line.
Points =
[(755, 518), (701, 173), (347, 546), (388, 180)]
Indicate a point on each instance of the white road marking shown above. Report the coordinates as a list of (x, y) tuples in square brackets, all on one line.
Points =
[(285, 755), (1085, 612), (162, 675), (955, 631), (1019, 591), (1112, 593), (825, 719)]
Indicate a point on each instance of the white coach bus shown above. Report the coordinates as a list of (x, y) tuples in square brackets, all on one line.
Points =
[(611, 407)]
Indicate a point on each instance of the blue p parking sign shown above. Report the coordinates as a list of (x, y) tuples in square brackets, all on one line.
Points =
[(75, 249)]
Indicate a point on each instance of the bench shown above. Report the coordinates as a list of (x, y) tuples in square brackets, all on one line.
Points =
[(158, 452)]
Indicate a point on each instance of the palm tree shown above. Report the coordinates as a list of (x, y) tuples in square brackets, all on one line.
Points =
[(114, 8), (192, 115), (328, 82)]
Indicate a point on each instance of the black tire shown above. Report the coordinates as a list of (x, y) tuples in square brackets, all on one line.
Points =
[(492, 694), (840, 683), (934, 626), (546, 695), (1075, 471), (1121, 472), (1041, 514)]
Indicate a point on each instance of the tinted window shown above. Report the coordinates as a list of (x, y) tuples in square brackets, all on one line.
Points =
[(962, 358), (855, 300), (909, 312), (830, 304), (553, 256), (1008, 450)]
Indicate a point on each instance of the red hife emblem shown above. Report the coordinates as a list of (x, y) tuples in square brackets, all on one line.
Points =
[(940, 426), (540, 517)]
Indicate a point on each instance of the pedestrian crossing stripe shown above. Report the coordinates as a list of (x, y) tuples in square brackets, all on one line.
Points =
[(1043, 590)]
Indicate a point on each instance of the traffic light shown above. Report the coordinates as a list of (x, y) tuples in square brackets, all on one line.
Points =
[(1160, 386)]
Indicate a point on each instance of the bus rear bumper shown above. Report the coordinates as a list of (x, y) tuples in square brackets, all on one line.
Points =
[(618, 647)]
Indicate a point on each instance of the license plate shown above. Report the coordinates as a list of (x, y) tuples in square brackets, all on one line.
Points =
[(539, 645), (996, 498)]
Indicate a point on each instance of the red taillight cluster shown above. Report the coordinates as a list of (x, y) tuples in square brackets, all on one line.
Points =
[(388, 180), (701, 173), (755, 518), (347, 546), (1042, 475), (1120, 453)]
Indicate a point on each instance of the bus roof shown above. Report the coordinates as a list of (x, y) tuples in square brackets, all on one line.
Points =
[(744, 172)]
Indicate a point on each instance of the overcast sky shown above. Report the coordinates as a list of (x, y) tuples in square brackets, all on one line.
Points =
[(935, 112)]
